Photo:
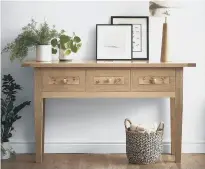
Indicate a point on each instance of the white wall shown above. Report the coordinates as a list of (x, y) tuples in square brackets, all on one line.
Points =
[(96, 125)]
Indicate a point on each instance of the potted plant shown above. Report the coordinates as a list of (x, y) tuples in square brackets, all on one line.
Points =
[(9, 113), (33, 35), (68, 46)]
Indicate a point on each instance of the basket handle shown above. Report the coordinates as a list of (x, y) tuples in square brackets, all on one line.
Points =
[(160, 127), (125, 123)]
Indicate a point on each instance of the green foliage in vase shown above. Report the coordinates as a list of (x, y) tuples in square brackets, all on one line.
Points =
[(9, 111), (66, 43), (31, 35)]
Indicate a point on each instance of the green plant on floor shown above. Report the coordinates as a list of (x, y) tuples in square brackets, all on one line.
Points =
[(31, 35), (67, 43), (9, 111)]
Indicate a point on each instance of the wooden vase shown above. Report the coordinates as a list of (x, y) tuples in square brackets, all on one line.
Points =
[(164, 49)]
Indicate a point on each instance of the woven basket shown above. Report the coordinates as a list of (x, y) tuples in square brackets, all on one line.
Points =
[(143, 148)]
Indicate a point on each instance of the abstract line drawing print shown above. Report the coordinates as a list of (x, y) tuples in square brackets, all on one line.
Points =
[(137, 38)]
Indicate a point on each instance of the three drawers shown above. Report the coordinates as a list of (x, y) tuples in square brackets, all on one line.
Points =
[(111, 80)]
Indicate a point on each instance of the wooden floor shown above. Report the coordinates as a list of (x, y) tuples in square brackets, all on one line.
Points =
[(105, 161)]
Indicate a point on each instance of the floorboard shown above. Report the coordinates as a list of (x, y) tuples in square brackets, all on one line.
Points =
[(100, 161)]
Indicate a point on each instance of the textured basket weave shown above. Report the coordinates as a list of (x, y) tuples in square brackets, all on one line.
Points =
[(143, 148)]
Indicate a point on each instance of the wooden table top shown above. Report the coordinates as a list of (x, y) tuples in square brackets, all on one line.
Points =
[(128, 64)]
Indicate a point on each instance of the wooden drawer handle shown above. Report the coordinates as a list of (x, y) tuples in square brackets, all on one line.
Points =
[(70, 80), (109, 80), (117, 80), (153, 80), (65, 81), (97, 82)]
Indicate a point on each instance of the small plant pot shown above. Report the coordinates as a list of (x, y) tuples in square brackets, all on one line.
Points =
[(43, 53), (5, 150), (66, 57)]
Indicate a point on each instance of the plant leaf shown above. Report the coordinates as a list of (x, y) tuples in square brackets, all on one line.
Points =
[(74, 48), (64, 39), (18, 117), (10, 106), (9, 135), (79, 45), (54, 51), (54, 42), (3, 108), (20, 107), (67, 45), (67, 52), (76, 39), (62, 46)]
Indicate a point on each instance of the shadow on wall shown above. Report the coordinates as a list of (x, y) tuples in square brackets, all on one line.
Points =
[(91, 41)]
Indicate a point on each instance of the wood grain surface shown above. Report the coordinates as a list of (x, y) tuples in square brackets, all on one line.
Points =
[(97, 161), (107, 64)]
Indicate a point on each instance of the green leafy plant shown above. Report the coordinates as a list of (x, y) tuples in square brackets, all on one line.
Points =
[(30, 36), (9, 111), (66, 43)]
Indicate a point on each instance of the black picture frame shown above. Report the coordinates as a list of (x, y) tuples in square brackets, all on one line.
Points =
[(97, 25), (147, 32)]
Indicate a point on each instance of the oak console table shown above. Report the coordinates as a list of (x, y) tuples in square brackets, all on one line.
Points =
[(109, 79)]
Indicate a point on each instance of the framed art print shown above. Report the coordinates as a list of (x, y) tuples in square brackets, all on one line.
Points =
[(114, 42), (140, 35)]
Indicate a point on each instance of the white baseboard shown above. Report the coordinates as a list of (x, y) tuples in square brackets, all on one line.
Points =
[(101, 148)]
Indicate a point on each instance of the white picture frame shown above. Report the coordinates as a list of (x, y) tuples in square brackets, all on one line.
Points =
[(140, 36), (114, 42)]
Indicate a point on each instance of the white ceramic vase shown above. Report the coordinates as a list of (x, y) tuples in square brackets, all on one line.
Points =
[(64, 57), (6, 154), (43, 53)]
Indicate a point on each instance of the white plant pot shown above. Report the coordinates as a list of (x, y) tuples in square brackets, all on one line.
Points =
[(7, 147), (63, 57), (43, 53)]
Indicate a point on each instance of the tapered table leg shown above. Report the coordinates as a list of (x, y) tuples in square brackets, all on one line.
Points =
[(172, 122), (39, 116), (178, 110)]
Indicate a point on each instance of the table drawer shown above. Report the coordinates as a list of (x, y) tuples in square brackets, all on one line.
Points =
[(153, 79), (108, 80), (61, 79)]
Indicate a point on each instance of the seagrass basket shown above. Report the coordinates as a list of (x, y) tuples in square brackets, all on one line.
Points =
[(143, 148)]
